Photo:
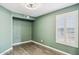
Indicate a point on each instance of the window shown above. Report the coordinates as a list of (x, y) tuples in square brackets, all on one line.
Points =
[(67, 28)]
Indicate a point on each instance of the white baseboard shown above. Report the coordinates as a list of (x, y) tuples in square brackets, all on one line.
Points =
[(6, 51), (51, 48), (36, 43), (21, 43)]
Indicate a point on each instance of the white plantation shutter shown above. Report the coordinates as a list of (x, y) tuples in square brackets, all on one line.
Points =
[(67, 28)]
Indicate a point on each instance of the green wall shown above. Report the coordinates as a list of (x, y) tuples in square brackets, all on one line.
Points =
[(22, 31), (5, 29), (44, 28)]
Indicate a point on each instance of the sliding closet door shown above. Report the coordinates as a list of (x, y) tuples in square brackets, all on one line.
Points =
[(67, 28), (22, 31), (16, 31)]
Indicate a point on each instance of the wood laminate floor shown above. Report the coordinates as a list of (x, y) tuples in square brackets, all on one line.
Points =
[(32, 49)]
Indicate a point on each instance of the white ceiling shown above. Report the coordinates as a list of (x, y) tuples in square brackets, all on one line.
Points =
[(41, 10)]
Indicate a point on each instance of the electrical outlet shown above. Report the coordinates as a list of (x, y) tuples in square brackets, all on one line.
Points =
[(42, 40)]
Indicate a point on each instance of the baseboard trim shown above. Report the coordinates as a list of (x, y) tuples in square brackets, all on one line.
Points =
[(51, 48), (6, 51), (36, 43), (21, 43)]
